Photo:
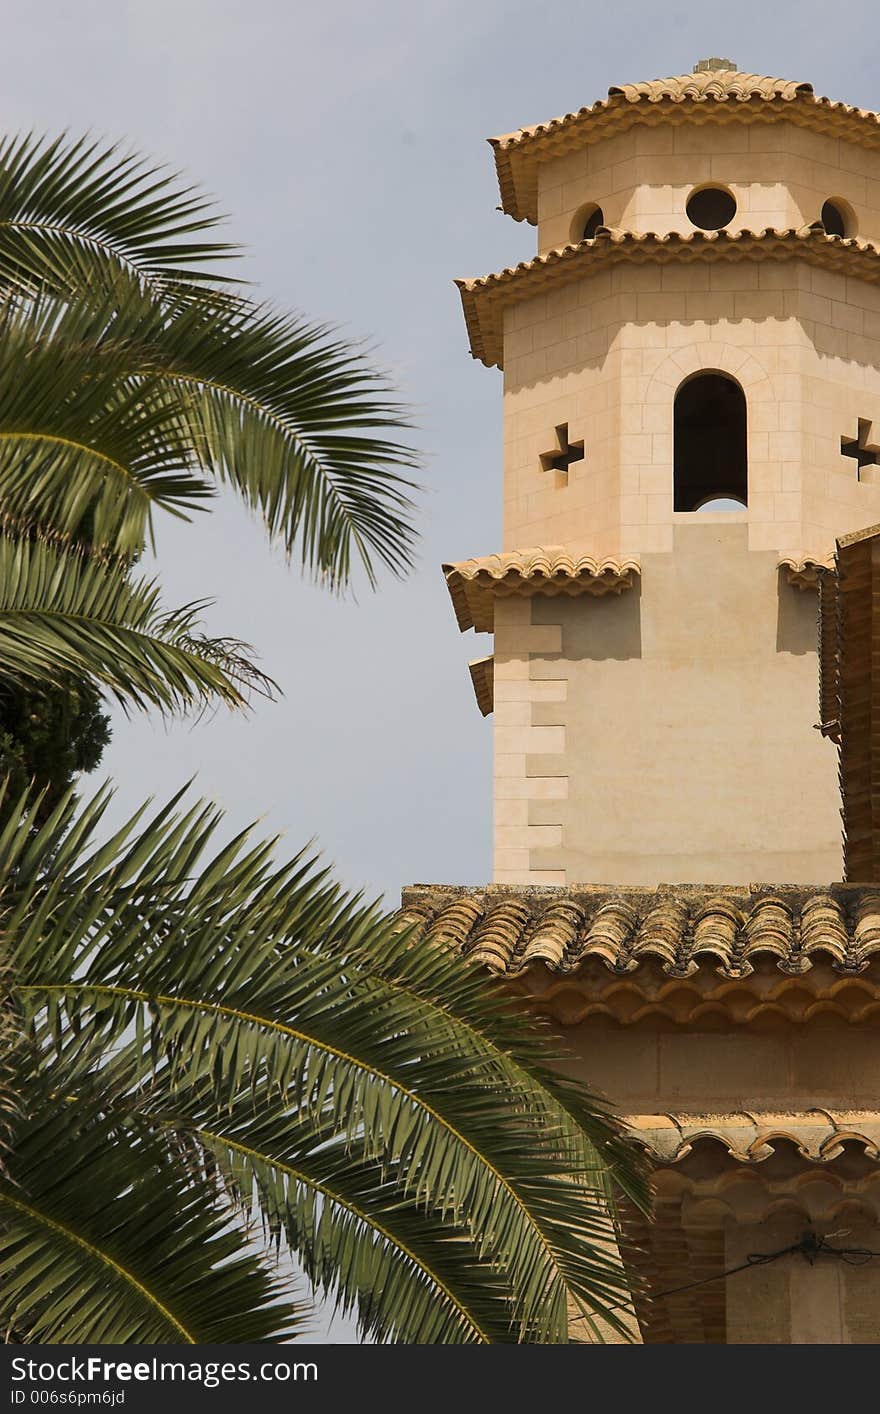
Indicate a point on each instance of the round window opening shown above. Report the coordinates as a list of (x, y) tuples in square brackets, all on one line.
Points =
[(710, 208), (834, 219)]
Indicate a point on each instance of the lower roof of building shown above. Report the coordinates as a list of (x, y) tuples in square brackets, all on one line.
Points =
[(682, 928)]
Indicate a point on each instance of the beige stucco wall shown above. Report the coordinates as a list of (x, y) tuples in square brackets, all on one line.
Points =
[(665, 735), (606, 355), (780, 173), (788, 1067)]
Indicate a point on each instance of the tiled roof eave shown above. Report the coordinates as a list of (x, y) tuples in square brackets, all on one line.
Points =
[(484, 299), (805, 571), (517, 154), (749, 1137), (475, 584), (678, 930)]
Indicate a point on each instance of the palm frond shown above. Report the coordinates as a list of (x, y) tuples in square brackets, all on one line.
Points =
[(10, 1080), (359, 1240), (118, 397), (76, 212), (107, 1238), (243, 979), (296, 419), (65, 612), (86, 440)]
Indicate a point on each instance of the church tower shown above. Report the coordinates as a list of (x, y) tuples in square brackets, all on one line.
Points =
[(691, 368)]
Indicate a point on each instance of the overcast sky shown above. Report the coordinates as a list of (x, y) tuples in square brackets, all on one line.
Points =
[(346, 141)]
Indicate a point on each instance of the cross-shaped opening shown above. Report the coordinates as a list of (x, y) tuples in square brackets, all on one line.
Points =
[(564, 453), (858, 447)]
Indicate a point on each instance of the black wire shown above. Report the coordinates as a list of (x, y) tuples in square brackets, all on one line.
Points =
[(810, 1246)]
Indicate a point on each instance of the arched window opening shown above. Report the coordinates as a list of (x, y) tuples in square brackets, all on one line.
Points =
[(710, 458), (587, 222), (837, 218), (710, 208)]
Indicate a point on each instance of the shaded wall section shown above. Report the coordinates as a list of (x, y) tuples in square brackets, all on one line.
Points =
[(685, 733)]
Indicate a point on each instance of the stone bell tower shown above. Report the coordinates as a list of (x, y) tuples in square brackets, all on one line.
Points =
[(691, 372), (691, 450)]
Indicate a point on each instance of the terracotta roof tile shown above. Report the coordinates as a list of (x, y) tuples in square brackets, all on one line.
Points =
[(716, 96), (485, 298), (805, 571), (678, 929), (708, 84), (750, 1137), (475, 584)]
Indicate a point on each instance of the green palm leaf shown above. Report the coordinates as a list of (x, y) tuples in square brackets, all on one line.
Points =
[(107, 1238), (360, 1241), (67, 613), (297, 421), (144, 388), (271, 1005), (78, 212), (88, 439)]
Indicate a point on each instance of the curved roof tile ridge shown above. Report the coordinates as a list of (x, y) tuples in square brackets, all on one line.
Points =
[(484, 297), (720, 95), (554, 937), (680, 929), (610, 936), (750, 1137), (498, 934), (475, 584), (720, 84)]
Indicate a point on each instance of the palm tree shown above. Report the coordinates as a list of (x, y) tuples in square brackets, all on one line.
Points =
[(207, 1053)]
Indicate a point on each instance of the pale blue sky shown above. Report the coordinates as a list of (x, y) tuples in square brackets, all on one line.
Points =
[(346, 140)]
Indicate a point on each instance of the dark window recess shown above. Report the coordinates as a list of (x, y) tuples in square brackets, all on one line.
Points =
[(592, 224), (711, 208), (833, 219), (710, 458)]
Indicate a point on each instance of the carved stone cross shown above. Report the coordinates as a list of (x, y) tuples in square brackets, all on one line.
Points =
[(564, 453), (859, 448)]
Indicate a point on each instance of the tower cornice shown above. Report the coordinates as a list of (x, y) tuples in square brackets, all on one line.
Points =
[(715, 96), (475, 584), (485, 298)]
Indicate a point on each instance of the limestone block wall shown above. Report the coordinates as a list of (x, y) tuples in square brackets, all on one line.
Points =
[(605, 356), (649, 1070), (530, 781), (780, 174), (666, 735), (793, 1303)]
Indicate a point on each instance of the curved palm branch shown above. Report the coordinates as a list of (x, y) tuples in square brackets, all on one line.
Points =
[(297, 421), (387, 1114), (162, 387), (107, 1236), (75, 212), (67, 613), (88, 439)]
